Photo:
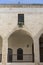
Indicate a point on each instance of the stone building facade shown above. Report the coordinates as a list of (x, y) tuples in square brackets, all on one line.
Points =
[(21, 42)]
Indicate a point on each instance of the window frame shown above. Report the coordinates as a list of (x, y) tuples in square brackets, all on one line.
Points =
[(20, 19)]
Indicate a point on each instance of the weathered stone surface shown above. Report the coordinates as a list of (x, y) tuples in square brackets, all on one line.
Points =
[(33, 24)]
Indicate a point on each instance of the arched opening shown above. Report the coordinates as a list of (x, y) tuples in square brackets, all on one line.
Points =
[(41, 47), (22, 45), (10, 52), (0, 49), (19, 54)]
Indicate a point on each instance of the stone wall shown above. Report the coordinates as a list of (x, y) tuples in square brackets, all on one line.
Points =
[(33, 24)]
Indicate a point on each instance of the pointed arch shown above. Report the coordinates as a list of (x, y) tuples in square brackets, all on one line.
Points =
[(21, 39)]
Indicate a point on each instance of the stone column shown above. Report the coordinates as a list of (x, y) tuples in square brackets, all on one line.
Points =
[(4, 51), (36, 51)]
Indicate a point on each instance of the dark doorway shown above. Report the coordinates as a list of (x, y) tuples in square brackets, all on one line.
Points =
[(32, 53), (19, 54), (9, 55), (41, 48)]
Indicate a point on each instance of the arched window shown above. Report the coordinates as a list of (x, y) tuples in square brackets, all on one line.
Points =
[(41, 47), (19, 54)]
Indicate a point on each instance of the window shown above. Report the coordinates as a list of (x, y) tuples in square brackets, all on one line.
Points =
[(20, 19)]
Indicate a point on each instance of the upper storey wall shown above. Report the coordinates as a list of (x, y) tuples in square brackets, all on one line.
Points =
[(33, 18)]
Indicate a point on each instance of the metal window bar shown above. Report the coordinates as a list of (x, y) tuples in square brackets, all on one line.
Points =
[(26, 58)]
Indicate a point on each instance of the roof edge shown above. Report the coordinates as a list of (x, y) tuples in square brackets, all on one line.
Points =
[(21, 5)]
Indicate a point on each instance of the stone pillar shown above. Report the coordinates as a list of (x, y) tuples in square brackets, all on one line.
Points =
[(36, 51), (4, 51)]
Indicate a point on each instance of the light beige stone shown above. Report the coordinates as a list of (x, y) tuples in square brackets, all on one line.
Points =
[(33, 25)]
